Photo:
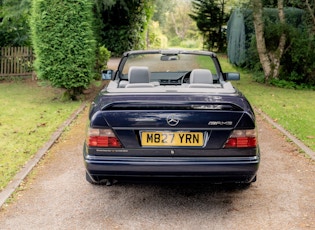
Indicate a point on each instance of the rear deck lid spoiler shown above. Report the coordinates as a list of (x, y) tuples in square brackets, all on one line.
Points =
[(171, 106)]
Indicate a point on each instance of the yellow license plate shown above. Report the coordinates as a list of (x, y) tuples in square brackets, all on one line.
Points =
[(172, 138)]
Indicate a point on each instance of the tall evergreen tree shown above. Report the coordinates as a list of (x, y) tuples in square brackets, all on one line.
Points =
[(64, 43), (210, 17)]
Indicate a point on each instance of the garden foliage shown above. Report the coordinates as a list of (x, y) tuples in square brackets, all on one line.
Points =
[(298, 61), (103, 56), (14, 27), (125, 25), (64, 43), (210, 17)]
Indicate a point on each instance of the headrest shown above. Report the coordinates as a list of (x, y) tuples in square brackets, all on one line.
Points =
[(138, 74), (201, 76)]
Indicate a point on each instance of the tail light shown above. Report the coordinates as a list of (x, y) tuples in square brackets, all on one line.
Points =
[(242, 139), (102, 138)]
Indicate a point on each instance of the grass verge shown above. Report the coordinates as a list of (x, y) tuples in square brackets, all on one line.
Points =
[(29, 115), (293, 109)]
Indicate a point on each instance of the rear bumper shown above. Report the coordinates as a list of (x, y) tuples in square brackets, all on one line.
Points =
[(219, 169)]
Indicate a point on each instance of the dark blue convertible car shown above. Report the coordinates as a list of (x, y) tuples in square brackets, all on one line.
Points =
[(171, 114)]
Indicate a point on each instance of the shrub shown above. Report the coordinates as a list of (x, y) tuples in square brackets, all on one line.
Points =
[(297, 63), (191, 44), (299, 59), (156, 38), (64, 44), (125, 25), (103, 56)]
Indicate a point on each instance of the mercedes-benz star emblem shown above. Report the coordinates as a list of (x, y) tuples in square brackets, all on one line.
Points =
[(172, 120)]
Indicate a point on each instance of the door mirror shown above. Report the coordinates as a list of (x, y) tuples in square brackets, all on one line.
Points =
[(107, 74), (232, 76)]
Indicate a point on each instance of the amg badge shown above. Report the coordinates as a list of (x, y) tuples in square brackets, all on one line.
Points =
[(216, 123)]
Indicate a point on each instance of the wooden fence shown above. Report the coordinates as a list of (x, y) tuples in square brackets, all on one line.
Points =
[(16, 61)]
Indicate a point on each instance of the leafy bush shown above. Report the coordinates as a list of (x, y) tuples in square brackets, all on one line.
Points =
[(125, 25), (258, 76), (283, 84), (156, 38), (291, 85), (14, 26), (191, 44), (64, 43), (298, 62), (103, 56)]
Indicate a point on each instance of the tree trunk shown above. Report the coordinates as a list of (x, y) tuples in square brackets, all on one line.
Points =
[(260, 38), (283, 38), (270, 60)]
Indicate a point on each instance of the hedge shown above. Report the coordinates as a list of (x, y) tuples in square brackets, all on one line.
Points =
[(64, 43)]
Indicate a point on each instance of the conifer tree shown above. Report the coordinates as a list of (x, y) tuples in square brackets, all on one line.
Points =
[(64, 43)]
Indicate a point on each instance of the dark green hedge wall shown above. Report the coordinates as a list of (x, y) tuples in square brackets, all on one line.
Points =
[(64, 43)]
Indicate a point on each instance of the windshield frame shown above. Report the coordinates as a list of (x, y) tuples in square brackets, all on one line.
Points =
[(122, 75)]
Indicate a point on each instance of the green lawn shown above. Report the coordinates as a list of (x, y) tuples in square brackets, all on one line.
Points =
[(29, 116), (294, 110)]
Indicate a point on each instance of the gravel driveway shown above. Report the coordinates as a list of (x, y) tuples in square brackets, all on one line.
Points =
[(56, 195)]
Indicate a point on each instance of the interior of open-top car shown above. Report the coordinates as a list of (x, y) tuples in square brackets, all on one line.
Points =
[(139, 80), (140, 76)]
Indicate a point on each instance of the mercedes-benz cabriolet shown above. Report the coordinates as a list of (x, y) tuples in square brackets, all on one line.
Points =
[(171, 115)]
